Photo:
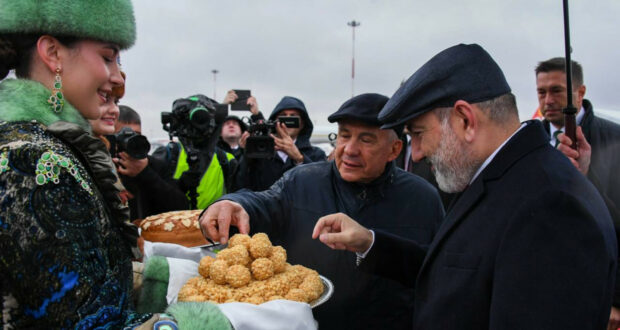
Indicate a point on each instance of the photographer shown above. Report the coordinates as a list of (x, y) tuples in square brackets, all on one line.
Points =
[(232, 130), (232, 138), (195, 166), (147, 191), (291, 147)]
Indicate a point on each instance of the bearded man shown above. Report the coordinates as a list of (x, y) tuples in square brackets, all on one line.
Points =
[(527, 244)]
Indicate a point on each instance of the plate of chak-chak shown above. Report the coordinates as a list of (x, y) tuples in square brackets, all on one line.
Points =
[(251, 270)]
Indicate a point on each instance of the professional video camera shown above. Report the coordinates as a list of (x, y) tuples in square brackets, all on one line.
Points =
[(260, 144), (134, 144), (195, 118), (195, 121)]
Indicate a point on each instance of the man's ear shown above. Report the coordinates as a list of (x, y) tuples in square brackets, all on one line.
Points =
[(49, 50), (464, 121), (396, 147), (581, 92)]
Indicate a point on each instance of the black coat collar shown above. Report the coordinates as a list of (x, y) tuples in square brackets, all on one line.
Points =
[(362, 193), (531, 137)]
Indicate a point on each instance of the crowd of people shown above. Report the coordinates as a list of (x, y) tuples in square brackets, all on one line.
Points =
[(437, 209)]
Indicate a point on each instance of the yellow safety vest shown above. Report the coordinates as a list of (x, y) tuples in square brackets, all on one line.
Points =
[(211, 186)]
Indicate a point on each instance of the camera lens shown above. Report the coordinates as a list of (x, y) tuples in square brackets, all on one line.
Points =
[(199, 116), (138, 146)]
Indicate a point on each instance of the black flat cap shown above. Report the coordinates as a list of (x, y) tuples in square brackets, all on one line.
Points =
[(242, 125), (462, 72), (363, 107)]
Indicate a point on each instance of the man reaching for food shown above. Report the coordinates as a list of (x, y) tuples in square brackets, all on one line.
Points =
[(363, 183)]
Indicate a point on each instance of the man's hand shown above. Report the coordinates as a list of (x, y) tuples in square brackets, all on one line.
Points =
[(284, 142), (614, 319), (220, 215), (243, 139), (129, 166), (231, 97), (340, 232), (253, 105), (580, 157)]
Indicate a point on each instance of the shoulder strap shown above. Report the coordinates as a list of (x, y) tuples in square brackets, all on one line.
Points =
[(229, 167), (221, 157)]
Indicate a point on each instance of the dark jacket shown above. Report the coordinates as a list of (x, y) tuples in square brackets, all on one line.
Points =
[(153, 192), (165, 161), (260, 174), (604, 138), (528, 245), (226, 147), (397, 202)]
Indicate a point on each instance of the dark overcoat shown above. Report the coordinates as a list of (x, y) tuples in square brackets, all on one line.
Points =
[(528, 245), (397, 202)]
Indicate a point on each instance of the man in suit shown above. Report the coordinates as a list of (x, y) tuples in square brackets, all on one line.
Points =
[(598, 140), (527, 244)]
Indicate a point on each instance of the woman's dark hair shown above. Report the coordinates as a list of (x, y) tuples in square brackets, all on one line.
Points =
[(16, 52)]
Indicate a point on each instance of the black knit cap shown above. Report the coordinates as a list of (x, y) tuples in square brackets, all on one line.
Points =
[(462, 72), (363, 107)]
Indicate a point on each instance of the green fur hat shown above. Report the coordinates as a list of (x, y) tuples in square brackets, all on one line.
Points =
[(104, 20)]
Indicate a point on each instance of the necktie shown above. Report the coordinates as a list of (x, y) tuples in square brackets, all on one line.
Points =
[(555, 135)]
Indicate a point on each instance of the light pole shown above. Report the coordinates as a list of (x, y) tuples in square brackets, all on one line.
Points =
[(215, 72), (353, 24)]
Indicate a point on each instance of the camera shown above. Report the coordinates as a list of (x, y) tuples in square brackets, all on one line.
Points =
[(259, 144), (195, 118), (134, 144)]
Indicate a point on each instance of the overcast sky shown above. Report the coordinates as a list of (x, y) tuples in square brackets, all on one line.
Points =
[(303, 48)]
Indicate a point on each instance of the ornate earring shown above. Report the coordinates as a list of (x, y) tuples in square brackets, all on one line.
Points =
[(56, 100)]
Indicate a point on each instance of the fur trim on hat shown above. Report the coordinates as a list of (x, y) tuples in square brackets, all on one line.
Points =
[(104, 20)]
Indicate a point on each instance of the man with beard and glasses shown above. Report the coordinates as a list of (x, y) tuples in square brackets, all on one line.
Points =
[(421, 168), (527, 244)]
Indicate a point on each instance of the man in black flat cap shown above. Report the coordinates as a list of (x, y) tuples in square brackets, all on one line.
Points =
[(232, 130), (528, 244), (362, 182)]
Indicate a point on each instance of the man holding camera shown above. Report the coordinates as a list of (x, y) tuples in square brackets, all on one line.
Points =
[(232, 139), (291, 146), (147, 191), (195, 165), (361, 182)]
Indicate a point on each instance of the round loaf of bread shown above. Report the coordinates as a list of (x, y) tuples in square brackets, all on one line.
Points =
[(179, 227)]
